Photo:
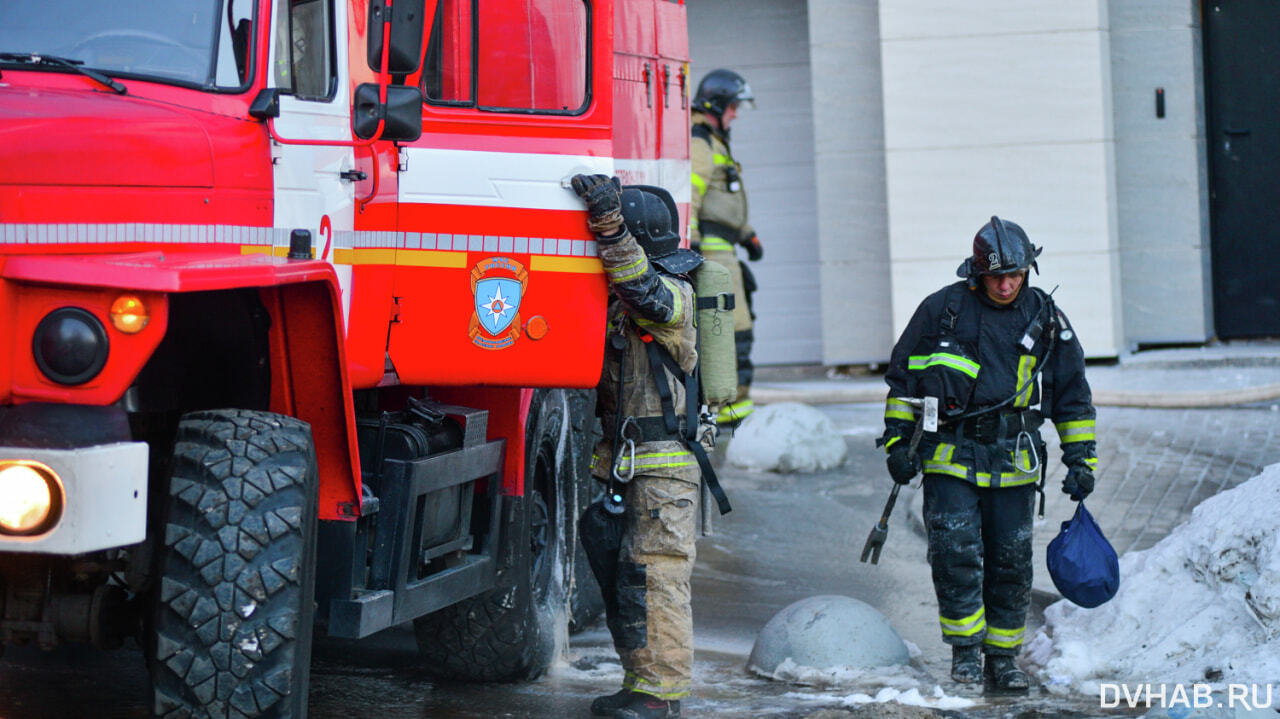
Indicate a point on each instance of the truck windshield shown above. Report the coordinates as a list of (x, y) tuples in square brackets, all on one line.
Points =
[(205, 44)]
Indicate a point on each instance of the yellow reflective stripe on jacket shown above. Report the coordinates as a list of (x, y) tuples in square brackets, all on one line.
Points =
[(1079, 430), (711, 243), (951, 470), (966, 627), (735, 411), (895, 408), (656, 460), (699, 184), (629, 271), (720, 159), (1004, 638), (641, 685), (677, 308), (956, 362), (1008, 479), (940, 462), (1026, 364)]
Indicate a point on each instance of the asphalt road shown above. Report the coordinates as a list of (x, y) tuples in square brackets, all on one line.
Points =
[(789, 537)]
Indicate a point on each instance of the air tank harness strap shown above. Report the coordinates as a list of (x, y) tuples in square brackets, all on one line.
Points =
[(613, 500), (660, 359)]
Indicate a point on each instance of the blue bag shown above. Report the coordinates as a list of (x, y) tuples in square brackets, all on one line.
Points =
[(1082, 563)]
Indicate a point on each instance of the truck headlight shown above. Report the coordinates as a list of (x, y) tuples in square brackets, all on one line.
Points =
[(30, 498), (70, 345)]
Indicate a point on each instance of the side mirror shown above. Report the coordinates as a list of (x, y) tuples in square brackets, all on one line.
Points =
[(266, 103), (403, 112), (406, 35)]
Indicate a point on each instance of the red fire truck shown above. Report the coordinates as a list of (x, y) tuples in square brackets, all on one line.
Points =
[(295, 301)]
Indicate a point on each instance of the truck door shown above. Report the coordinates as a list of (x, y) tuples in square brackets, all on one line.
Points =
[(316, 184), (498, 281)]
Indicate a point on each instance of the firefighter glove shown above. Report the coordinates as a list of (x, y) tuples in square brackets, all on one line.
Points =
[(903, 464), (755, 250), (603, 195), (1078, 483)]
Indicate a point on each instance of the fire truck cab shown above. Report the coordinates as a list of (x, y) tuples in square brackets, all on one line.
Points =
[(301, 322)]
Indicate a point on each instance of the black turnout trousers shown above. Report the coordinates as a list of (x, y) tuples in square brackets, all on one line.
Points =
[(980, 554)]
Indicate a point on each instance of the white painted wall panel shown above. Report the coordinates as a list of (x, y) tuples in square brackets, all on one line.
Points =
[(1011, 90), (848, 123), (901, 19), (1161, 173), (1002, 107), (767, 42)]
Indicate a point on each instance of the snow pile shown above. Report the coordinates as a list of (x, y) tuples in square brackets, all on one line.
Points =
[(787, 437), (1203, 605), (900, 684), (912, 697)]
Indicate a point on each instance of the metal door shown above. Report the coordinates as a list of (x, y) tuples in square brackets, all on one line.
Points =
[(1242, 48)]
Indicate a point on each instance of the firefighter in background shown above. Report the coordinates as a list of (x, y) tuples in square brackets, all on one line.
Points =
[(641, 547), (979, 346), (719, 212)]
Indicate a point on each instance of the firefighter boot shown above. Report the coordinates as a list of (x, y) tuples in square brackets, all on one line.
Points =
[(966, 664), (1004, 677), (646, 706), (605, 706)]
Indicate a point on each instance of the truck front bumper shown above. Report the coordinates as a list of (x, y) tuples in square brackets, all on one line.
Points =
[(103, 498)]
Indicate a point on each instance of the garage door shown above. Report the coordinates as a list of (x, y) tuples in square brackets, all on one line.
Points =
[(767, 41)]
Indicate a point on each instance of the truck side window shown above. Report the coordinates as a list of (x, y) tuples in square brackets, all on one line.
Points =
[(234, 38), (446, 77), (514, 56), (304, 48)]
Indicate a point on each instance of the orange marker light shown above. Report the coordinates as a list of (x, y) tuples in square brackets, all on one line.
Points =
[(129, 314), (536, 327)]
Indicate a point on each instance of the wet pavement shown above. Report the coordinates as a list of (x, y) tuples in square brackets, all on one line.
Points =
[(789, 537)]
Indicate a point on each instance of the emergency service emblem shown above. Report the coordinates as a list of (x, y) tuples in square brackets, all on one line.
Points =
[(498, 285)]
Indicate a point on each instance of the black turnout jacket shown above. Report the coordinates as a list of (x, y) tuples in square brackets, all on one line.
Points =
[(974, 354)]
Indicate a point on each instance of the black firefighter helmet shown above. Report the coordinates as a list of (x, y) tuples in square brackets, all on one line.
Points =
[(1001, 247), (720, 89), (651, 217)]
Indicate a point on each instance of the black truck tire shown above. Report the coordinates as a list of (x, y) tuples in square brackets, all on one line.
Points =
[(509, 633), (585, 601), (232, 612)]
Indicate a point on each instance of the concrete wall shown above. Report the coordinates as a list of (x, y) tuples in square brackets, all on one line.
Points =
[(1002, 107), (766, 41), (853, 223), (1161, 172)]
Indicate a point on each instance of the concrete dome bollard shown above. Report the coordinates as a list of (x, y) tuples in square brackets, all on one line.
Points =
[(826, 632)]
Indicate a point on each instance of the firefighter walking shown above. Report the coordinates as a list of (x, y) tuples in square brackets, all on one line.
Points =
[(979, 346), (641, 546), (719, 212)]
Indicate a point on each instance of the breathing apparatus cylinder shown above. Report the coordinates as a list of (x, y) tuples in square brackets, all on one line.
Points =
[(717, 361)]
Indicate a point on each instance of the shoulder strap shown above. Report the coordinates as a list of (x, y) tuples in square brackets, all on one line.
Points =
[(660, 358), (951, 312), (661, 362), (702, 132)]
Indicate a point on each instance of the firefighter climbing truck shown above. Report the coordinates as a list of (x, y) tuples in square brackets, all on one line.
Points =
[(300, 321)]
